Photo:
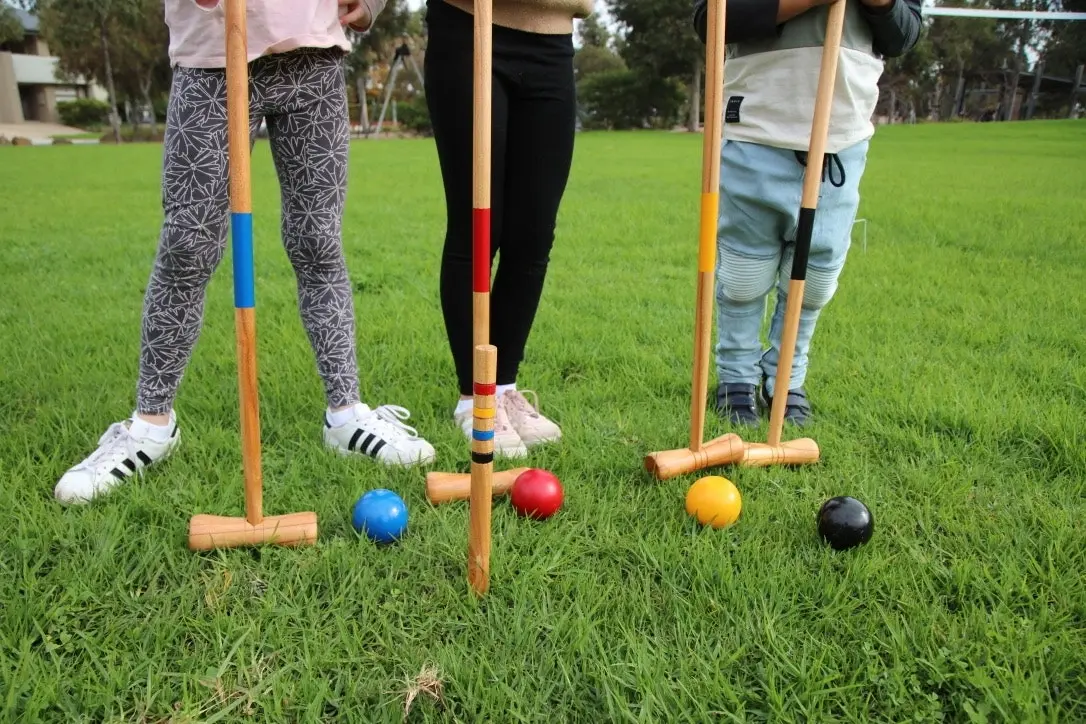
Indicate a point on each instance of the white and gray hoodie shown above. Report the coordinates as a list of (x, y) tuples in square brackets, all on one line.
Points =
[(771, 70)]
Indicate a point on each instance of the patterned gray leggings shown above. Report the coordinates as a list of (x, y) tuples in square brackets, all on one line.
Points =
[(301, 96)]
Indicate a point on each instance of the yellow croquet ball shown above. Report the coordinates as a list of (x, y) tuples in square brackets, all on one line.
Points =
[(714, 501)]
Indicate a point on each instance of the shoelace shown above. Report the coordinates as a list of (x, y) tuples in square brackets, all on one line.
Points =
[(828, 162), (518, 399), (392, 417), (107, 445)]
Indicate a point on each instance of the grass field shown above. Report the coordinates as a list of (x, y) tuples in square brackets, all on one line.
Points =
[(948, 376)]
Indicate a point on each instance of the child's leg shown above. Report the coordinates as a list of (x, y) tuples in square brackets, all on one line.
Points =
[(306, 104), (758, 185), (830, 241), (309, 134), (195, 203)]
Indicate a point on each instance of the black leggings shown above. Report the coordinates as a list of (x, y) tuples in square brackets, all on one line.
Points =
[(534, 113)]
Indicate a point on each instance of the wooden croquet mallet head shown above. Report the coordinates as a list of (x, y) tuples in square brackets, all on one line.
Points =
[(211, 531)]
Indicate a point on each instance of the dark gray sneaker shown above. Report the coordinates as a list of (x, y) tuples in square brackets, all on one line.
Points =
[(797, 409), (737, 402)]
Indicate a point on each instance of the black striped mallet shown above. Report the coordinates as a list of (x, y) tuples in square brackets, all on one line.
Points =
[(803, 450)]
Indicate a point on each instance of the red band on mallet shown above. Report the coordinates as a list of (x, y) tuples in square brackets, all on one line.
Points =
[(484, 388), (480, 252)]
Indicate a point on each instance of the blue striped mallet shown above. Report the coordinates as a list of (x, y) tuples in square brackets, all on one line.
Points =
[(207, 532)]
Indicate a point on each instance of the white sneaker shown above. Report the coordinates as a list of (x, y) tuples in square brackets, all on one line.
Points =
[(532, 427), (380, 434), (507, 443), (125, 449)]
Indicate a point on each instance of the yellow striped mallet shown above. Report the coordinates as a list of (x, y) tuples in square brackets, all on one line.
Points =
[(207, 532), (727, 448)]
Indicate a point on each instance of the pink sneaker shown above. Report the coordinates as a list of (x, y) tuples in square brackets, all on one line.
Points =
[(507, 443), (533, 428)]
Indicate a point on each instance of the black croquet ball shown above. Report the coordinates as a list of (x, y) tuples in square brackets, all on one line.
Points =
[(845, 522)]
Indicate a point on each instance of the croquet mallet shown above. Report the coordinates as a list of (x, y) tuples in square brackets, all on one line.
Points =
[(726, 448), (802, 450), (448, 487), (207, 532)]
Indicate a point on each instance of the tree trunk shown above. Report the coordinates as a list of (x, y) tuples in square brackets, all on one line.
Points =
[(1011, 115), (114, 118), (959, 94), (1073, 113), (937, 100), (363, 105), (893, 105), (145, 87), (695, 100), (133, 118), (1038, 74)]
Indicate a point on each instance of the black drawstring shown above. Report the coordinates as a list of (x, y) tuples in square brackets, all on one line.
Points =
[(801, 156)]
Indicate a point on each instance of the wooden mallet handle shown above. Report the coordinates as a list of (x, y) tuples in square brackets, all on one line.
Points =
[(710, 208)]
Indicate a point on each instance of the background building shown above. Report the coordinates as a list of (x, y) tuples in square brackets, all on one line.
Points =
[(29, 86)]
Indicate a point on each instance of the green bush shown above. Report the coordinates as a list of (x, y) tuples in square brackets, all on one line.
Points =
[(83, 113), (414, 115), (626, 99)]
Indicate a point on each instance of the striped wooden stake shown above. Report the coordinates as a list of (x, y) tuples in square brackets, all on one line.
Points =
[(482, 466), (484, 364)]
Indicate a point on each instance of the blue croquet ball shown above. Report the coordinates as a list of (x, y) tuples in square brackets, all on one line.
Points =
[(381, 515)]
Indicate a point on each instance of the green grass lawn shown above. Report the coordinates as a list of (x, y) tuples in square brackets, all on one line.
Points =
[(948, 376)]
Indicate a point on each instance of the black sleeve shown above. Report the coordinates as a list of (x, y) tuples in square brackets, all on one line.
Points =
[(746, 20), (896, 28)]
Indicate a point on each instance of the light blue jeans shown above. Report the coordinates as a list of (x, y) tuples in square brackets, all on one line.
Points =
[(760, 190)]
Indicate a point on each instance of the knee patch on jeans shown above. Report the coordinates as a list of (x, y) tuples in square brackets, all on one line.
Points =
[(744, 279), (820, 287)]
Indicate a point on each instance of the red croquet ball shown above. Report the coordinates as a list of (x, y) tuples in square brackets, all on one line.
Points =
[(537, 493)]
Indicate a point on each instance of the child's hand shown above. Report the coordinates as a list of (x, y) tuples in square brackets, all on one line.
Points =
[(354, 15)]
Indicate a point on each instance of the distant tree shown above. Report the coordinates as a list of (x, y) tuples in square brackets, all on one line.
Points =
[(592, 59), (595, 54), (659, 40), (1065, 48), (83, 35), (11, 28), (592, 33), (143, 53)]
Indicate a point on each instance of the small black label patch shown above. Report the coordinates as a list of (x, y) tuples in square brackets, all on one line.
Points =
[(731, 113)]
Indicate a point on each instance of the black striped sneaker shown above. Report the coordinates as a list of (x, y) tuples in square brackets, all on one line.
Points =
[(381, 435), (125, 449)]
